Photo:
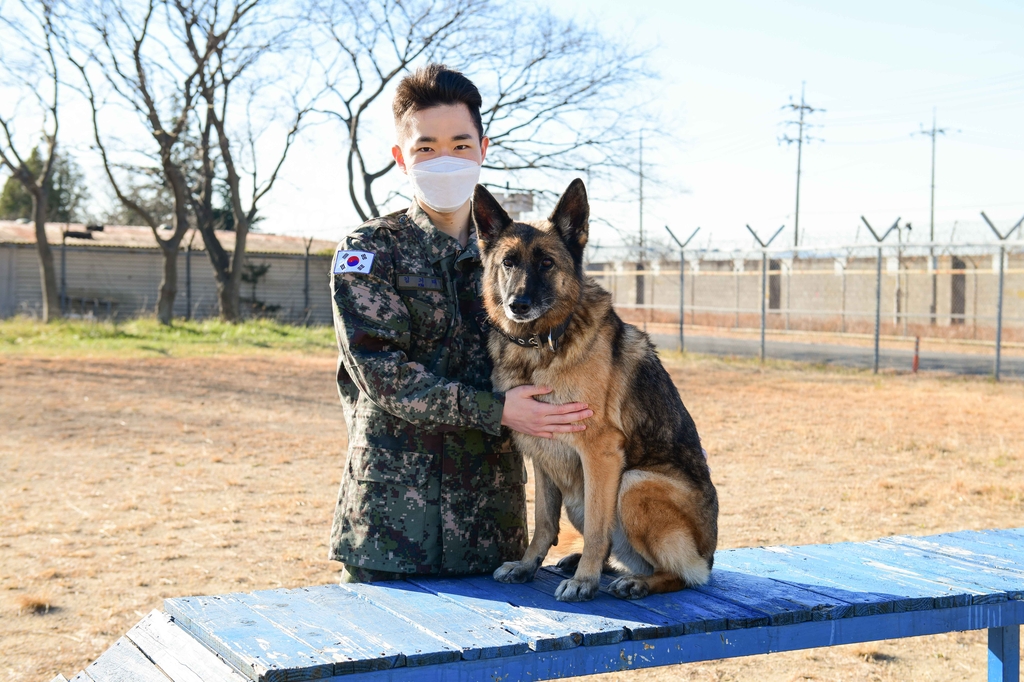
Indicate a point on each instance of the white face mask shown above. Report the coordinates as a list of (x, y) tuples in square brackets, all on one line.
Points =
[(444, 183)]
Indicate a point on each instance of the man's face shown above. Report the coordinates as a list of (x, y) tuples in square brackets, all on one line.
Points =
[(446, 130)]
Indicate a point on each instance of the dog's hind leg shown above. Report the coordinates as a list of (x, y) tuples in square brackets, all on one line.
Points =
[(658, 514), (547, 511)]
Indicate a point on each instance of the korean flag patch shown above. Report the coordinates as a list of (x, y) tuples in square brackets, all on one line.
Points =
[(352, 261)]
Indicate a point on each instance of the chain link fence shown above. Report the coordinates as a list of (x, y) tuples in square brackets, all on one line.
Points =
[(948, 294)]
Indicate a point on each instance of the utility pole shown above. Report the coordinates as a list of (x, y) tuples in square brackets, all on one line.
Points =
[(640, 257), (802, 109), (933, 133)]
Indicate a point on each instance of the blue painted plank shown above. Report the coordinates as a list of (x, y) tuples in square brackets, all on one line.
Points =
[(637, 654), (784, 604), (475, 635), (639, 623), (996, 551), (349, 630), (247, 640), (874, 574), (542, 633), (963, 581), (697, 611), (953, 559), (123, 662), (813, 575)]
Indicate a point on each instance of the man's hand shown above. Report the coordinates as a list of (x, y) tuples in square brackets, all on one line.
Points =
[(524, 414)]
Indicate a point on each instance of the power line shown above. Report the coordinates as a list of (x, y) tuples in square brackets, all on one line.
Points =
[(802, 109)]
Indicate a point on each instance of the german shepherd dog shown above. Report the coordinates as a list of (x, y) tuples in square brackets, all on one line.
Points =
[(635, 483)]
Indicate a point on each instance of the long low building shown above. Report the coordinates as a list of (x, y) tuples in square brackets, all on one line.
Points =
[(115, 271)]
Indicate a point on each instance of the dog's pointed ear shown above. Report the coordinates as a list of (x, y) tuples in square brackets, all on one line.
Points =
[(489, 217), (571, 217)]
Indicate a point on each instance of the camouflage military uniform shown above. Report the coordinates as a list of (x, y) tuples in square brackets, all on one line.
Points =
[(432, 484)]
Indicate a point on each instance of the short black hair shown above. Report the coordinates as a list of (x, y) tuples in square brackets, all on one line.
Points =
[(436, 85)]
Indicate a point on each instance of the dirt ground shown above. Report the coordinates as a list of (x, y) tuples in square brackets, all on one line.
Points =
[(127, 480)]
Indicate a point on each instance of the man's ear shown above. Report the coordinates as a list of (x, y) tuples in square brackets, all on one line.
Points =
[(489, 217), (571, 217)]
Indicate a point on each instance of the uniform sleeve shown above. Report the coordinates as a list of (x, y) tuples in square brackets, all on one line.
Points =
[(373, 327)]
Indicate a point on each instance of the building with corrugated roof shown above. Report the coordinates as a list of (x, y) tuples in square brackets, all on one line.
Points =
[(114, 271)]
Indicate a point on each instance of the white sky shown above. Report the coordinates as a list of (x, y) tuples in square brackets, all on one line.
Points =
[(727, 68)]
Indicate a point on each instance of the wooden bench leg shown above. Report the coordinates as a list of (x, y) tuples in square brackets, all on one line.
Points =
[(1004, 654)]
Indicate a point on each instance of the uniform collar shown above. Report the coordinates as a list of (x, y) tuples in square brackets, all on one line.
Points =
[(440, 244)]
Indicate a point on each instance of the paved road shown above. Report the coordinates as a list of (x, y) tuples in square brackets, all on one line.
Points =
[(845, 356)]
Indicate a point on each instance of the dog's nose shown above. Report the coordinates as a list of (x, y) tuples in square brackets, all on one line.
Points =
[(520, 306)]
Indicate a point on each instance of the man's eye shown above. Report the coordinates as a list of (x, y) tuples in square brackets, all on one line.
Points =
[(462, 146), (424, 149), (546, 263), (507, 262)]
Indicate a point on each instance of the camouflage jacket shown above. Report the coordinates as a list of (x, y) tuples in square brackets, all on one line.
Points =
[(432, 484)]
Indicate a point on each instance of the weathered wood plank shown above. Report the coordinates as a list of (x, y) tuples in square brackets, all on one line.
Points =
[(997, 578), (967, 547), (541, 633), (81, 677), (697, 611), (123, 662), (962, 588), (639, 623), (784, 604), (637, 654), (476, 635), (247, 640), (341, 624), (911, 591), (180, 656), (810, 574)]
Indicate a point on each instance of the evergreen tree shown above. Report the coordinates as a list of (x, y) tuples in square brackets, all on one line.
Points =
[(66, 191)]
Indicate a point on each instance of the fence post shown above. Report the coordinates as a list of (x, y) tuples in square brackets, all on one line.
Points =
[(188, 281), (682, 281), (764, 295), (305, 290), (999, 311), (63, 275), (878, 281), (878, 304), (764, 277)]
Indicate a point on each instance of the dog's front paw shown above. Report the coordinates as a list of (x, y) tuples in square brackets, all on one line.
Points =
[(573, 589), (515, 572), (630, 587)]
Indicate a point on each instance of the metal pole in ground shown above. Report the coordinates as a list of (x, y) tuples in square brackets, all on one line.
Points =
[(878, 282), (63, 275), (188, 279), (305, 289), (999, 311), (682, 281), (764, 278), (764, 295)]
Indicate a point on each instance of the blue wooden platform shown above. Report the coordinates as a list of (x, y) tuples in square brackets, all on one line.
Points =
[(760, 600)]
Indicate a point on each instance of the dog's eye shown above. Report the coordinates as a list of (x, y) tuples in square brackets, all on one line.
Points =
[(507, 262), (546, 263)]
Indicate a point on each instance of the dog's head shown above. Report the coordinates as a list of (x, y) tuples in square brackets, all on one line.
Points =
[(533, 273)]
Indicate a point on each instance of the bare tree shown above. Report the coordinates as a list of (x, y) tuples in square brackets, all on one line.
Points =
[(29, 30), (141, 58), (236, 64), (558, 96)]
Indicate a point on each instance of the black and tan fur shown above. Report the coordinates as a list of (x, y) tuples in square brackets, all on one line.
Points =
[(635, 483)]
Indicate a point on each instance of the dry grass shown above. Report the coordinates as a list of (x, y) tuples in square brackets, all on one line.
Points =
[(127, 480), (32, 603)]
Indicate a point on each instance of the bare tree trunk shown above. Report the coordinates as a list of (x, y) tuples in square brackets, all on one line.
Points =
[(47, 274), (168, 283), (228, 297)]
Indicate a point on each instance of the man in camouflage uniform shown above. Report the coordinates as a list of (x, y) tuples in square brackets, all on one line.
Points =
[(432, 484)]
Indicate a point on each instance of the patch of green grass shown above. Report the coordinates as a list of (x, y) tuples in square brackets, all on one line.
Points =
[(147, 337)]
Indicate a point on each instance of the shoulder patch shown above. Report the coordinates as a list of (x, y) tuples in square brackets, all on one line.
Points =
[(414, 281), (347, 260)]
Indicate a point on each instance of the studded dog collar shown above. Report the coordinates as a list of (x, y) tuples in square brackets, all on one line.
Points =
[(550, 340)]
